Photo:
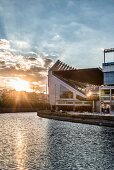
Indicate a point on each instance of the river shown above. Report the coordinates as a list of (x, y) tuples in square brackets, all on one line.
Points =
[(28, 142)]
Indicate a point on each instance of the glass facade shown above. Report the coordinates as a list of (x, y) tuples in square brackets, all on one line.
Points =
[(65, 93), (109, 78)]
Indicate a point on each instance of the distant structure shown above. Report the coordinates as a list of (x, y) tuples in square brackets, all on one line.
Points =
[(69, 87), (108, 50), (107, 91)]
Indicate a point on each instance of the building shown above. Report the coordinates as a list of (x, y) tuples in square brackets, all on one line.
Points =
[(68, 87), (90, 89), (107, 90)]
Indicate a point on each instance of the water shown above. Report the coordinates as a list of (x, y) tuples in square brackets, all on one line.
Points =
[(28, 142)]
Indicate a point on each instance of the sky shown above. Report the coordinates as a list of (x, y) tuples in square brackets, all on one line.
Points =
[(35, 33)]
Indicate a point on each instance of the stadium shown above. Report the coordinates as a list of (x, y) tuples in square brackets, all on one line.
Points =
[(81, 89)]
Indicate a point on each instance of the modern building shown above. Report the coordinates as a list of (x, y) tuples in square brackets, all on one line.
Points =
[(107, 90), (90, 89), (68, 87)]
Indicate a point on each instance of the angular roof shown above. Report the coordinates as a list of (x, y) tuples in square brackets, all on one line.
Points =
[(59, 65), (87, 76)]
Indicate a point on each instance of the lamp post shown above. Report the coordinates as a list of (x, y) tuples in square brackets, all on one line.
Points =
[(100, 102), (46, 97), (44, 100), (55, 96), (110, 99), (93, 106)]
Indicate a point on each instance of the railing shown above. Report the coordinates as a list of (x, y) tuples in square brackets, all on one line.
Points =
[(107, 97), (73, 102)]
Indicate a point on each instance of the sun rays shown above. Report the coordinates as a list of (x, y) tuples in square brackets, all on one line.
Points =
[(20, 85)]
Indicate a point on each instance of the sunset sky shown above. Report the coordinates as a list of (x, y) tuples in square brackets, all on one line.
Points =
[(35, 33)]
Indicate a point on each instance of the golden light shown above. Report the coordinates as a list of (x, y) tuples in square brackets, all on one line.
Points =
[(20, 85), (89, 94)]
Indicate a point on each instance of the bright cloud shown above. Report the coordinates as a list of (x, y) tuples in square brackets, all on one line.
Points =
[(28, 66), (4, 44), (20, 45)]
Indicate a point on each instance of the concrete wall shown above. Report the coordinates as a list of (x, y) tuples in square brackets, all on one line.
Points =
[(54, 89)]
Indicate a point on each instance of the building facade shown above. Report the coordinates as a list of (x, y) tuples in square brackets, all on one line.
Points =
[(107, 90), (86, 88), (68, 86), (108, 70)]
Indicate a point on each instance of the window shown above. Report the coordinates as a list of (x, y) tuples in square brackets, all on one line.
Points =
[(112, 91), (109, 77), (78, 102), (69, 102), (61, 102), (65, 93), (105, 92), (105, 98)]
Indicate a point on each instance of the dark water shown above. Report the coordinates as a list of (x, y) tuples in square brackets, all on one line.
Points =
[(28, 142)]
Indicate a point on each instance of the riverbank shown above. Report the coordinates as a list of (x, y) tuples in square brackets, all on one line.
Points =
[(16, 110), (86, 118)]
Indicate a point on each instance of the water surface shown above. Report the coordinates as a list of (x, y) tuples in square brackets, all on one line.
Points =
[(28, 142)]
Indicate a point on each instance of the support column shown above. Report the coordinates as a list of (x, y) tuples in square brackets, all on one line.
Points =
[(110, 99), (93, 106), (55, 96)]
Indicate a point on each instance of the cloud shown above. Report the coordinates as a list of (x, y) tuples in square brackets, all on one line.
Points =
[(29, 66), (36, 36), (70, 3), (56, 37), (32, 59), (20, 45), (48, 62), (24, 60), (2, 62), (4, 44)]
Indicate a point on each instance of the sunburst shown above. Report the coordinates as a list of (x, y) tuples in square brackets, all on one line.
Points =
[(20, 85)]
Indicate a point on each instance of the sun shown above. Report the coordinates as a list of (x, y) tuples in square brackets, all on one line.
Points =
[(20, 85)]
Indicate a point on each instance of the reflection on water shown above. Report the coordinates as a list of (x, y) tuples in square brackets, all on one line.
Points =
[(28, 142)]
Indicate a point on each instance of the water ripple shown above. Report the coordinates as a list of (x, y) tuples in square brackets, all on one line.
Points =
[(28, 142)]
